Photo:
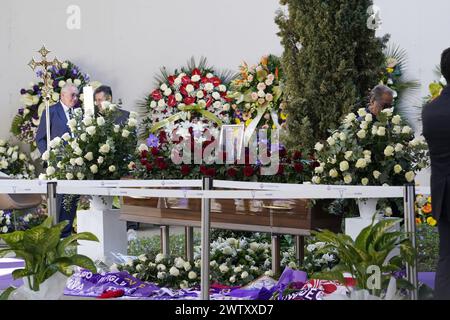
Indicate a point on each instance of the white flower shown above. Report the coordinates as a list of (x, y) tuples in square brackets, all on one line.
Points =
[(161, 103), (91, 130), (100, 160), (187, 266), (348, 179), (315, 180), (318, 169), (159, 257), (406, 130), (116, 128), (374, 130), (376, 174), (269, 97), (89, 156), (179, 97), (396, 119), (200, 94), (50, 171), (208, 87), (397, 129), (350, 118), (72, 161), (343, 166), (398, 147), (244, 275), (227, 251), (213, 263), (261, 86), (361, 163), (369, 117), (55, 142), (161, 275), (389, 111), (410, 176), (87, 120), (132, 122), (389, 151), (174, 271), (100, 121), (254, 96), (131, 165), (261, 101), (361, 134), (94, 168), (112, 168), (261, 94), (2, 142), (69, 176), (222, 88), (365, 181), (139, 267), (61, 83), (216, 95), (443, 81), (125, 133), (72, 123), (268, 82), (83, 137), (331, 141), (318, 146), (268, 273), (189, 88), (80, 176), (237, 269), (163, 86), (232, 279), (292, 265), (160, 267), (167, 92), (362, 112), (364, 125), (388, 211), (66, 136), (348, 155), (381, 131), (105, 148), (22, 156), (192, 275), (223, 268), (143, 147), (195, 78), (333, 173), (342, 136), (78, 151), (79, 161)]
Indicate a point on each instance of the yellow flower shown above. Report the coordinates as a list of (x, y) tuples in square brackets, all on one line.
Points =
[(247, 123), (283, 116), (429, 199), (431, 221), (238, 121), (264, 60), (390, 70)]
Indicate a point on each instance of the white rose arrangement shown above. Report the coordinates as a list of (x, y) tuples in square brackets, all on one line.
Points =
[(14, 162), (98, 150)]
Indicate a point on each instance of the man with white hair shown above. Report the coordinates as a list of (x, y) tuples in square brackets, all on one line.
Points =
[(60, 114)]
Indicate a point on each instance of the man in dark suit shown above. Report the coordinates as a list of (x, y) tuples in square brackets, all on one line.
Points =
[(436, 129), (60, 114), (104, 93)]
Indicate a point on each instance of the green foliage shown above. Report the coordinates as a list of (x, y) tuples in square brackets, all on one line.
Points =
[(331, 60), (371, 248), (45, 253), (152, 245), (428, 248)]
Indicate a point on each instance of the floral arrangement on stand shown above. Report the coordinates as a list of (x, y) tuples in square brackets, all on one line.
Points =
[(435, 88), (15, 163), (98, 150), (424, 211), (195, 95), (26, 121), (258, 95), (319, 257), (371, 151)]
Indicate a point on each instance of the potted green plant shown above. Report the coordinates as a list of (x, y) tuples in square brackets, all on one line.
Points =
[(47, 260), (373, 249)]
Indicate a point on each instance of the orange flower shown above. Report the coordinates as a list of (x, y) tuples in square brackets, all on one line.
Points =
[(264, 61), (418, 221), (426, 208)]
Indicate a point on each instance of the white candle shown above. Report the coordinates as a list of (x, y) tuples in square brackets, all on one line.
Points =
[(88, 103)]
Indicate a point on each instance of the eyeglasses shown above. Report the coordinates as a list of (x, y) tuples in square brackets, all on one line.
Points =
[(73, 95)]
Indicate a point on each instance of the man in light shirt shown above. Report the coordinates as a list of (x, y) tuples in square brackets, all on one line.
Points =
[(60, 114)]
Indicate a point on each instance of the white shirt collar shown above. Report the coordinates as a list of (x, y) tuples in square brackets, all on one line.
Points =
[(66, 108)]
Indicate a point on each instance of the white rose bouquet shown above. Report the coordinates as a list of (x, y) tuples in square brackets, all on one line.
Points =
[(15, 163), (98, 149)]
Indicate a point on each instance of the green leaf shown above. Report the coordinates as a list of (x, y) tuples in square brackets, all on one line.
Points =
[(6, 293), (20, 273), (83, 262), (74, 237), (13, 239), (47, 222), (34, 240)]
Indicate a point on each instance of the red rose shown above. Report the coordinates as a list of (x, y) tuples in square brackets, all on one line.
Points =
[(171, 101), (280, 169), (232, 172), (149, 167), (189, 100), (154, 151), (282, 152), (186, 80), (156, 95), (209, 102), (196, 71), (183, 90), (196, 85), (216, 81), (162, 137), (171, 79), (204, 80), (315, 164), (298, 167), (203, 169), (162, 165), (211, 172), (185, 169), (296, 155), (144, 154), (144, 161), (248, 171)]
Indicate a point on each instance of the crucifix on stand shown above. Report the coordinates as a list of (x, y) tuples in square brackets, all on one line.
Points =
[(47, 90)]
